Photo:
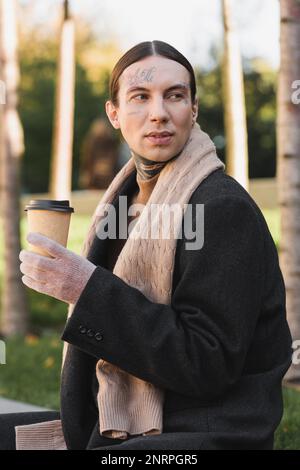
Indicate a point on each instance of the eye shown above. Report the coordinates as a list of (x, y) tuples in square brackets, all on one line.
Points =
[(136, 96), (177, 95)]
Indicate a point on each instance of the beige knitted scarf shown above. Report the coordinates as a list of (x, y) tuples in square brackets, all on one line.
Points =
[(127, 404)]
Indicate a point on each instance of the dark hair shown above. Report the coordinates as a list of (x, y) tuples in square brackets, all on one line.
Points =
[(146, 49)]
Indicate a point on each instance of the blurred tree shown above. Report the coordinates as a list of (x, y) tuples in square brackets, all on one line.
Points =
[(60, 184), (288, 126), (234, 101), (100, 154), (14, 301), (36, 110), (37, 88), (38, 72), (210, 118), (260, 91), (260, 106)]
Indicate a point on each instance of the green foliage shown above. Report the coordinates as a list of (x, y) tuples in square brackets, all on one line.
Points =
[(261, 122), (37, 96), (36, 112), (260, 109), (209, 92)]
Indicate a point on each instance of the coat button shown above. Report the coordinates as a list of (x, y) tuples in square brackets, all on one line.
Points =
[(98, 337), (82, 329), (90, 333)]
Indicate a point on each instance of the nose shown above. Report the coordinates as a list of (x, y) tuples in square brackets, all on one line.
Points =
[(158, 111)]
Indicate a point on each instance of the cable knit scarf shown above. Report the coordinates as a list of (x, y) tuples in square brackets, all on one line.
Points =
[(127, 404)]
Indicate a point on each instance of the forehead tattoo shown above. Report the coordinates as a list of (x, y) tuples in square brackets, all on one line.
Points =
[(141, 76)]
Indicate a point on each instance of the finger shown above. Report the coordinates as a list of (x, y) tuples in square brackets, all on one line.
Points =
[(51, 246), (38, 286), (39, 261), (33, 284), (34, 273)]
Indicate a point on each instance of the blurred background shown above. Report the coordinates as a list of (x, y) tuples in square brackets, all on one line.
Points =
[(55, 62), (102, 36)]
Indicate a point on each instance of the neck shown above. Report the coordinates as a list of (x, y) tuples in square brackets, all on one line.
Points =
[(148, 172), (145, 189), (147, 169)]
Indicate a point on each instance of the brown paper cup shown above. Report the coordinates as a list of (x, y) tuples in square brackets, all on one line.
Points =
[(50, 218)]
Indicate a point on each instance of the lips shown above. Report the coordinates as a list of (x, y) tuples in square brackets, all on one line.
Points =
[(159, 134), (160, 139)]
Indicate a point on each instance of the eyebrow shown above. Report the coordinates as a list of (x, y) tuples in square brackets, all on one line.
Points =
[(179, 86)]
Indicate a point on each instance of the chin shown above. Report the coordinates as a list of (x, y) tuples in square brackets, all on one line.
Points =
[(160, 155), (160, 158)]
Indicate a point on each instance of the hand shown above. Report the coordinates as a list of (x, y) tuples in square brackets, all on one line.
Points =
[(63, 276)]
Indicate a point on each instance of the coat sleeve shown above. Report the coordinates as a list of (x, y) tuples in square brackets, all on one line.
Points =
[(197, 345)]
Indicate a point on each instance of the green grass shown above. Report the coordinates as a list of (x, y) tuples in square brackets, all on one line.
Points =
[(287, 435), (32, 370), (273, 220)]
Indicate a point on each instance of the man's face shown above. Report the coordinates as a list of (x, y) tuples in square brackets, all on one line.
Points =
[(154, 96)]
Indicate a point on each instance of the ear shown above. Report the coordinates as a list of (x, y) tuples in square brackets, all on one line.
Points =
[(195, 109), (112, 114)]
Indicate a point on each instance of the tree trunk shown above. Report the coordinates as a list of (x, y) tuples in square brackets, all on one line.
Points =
[(288, 165), (234, 101), (14, 301), (61, 165)]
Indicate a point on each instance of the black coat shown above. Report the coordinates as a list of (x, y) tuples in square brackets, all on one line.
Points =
[(220, 350)]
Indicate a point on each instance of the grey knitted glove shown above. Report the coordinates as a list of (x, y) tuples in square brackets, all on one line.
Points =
[(62, 276)]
